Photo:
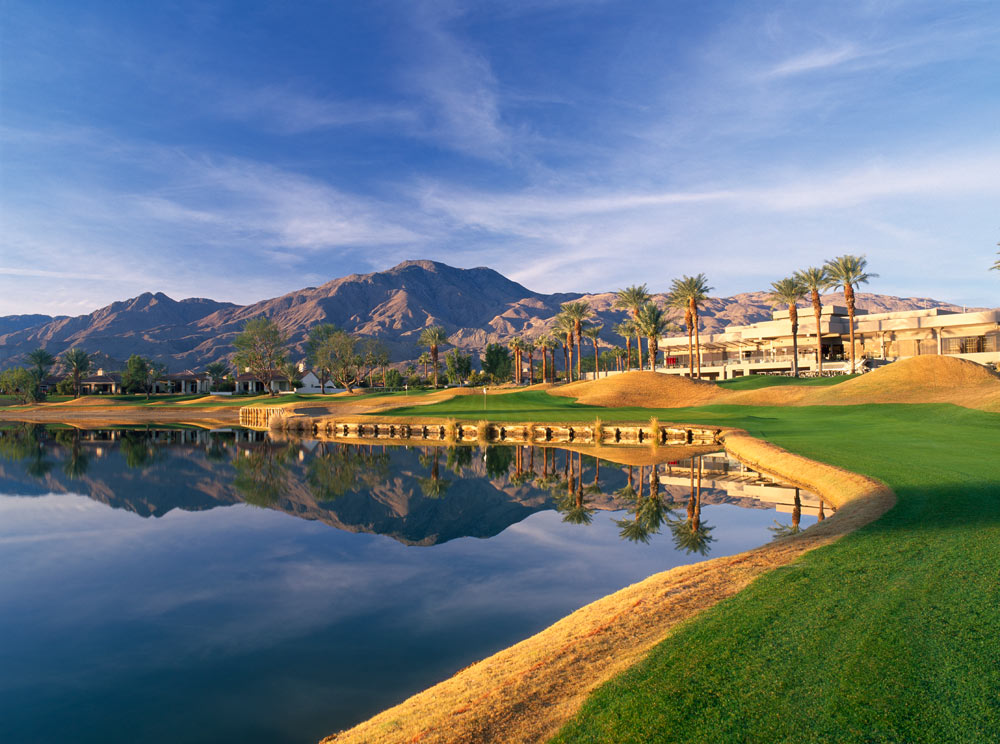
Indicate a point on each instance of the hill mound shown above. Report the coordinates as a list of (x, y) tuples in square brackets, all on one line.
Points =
[(645, 390), (923, 379)]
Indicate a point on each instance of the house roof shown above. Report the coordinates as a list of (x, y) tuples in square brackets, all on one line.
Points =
[(105, 378)]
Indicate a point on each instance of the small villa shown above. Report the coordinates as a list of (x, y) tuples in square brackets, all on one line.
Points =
[(250, 384), (185, 383), (102, 384)]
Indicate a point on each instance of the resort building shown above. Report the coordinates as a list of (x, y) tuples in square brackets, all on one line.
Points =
[(766, 347), (102, 384), (250, 384), (186, 382)]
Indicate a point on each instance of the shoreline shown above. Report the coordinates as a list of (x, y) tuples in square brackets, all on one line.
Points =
[(526, 692)]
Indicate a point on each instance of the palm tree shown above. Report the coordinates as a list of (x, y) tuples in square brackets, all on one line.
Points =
[(631, 299), (547, 344), (790, 291), (516, 345), (848, 272), (652, 321), (815, 280), (693, 289), (680, 302), (42, 361), (565, 325), (433, 337), (996, 266), (578, 312), (77, 361), (625, 329), (424, 359), (529, 346), (593, 332)]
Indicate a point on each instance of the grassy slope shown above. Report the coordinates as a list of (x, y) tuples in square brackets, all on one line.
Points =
[(756, 382), (891, 634)]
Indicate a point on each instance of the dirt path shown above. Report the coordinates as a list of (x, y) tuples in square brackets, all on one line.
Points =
[(526, 692)]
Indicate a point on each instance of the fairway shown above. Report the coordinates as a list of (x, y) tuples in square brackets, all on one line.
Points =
[(891, 634)]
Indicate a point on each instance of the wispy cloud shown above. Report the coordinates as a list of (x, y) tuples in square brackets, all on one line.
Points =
[(819, 59), (288, 111)]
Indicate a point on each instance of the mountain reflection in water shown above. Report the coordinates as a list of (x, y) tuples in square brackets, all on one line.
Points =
[(418, 495), (153, 571)]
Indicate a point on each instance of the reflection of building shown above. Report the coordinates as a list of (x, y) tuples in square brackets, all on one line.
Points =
[(766, 347), (722, 473)]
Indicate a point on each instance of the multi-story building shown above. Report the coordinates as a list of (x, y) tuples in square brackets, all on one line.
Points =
[(766, 347)]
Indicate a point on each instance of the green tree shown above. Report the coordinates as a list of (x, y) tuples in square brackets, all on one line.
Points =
[(593, 332), (688, 292), (433, 337), (815, 280), (141, 374), (626, 329), (317, 335), (848, 272), (260, 348), (790, 291), (290, 371), (547, 344), (458, 366), (19, 383), (42, 362), (652, 322), (338, 354), (516, 346), (77, 361), (217, 371), (631, 299), (425, 359), (496, 362), (565, 326), (579, 313)]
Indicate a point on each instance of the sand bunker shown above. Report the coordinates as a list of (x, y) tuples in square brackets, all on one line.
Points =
[(645, 390), (924, 379)]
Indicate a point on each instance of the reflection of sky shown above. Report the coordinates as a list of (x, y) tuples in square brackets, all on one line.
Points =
[(264, 627)]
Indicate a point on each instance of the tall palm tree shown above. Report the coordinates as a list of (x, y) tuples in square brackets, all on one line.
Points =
[(528, 346), (996, 266), (652, 321), (547, 344), (516, 346), (579, 312), (687, 292), (625, 329), (631, 299), (433, 337), (815, 280), (424, 359), (848, 272), (77, 361), (42, 360), (593, 332), (566, 326), (790, 291)]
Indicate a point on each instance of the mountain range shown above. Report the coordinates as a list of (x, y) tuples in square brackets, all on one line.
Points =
[(475, 306)]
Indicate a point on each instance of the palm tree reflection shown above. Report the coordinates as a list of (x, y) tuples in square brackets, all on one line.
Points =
[(691, 535)]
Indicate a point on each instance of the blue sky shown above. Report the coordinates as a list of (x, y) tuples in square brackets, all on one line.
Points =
[(242, 150)]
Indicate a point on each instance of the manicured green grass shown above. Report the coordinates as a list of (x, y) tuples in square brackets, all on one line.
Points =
[(755, 382), (509, 407), (892, 634)]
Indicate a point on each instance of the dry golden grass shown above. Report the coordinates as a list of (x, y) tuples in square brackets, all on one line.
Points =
[(526, 692), (644, 390)]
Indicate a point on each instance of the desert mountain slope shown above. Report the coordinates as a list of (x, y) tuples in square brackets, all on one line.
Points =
[(475, 306)]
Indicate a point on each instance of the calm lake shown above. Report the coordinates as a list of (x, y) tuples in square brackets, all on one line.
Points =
[(177, 585)]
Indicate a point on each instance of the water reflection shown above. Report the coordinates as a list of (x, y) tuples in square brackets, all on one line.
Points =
[(267, 628), (418, 495)]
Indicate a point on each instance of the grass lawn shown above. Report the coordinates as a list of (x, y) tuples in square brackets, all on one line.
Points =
[(891, 634), (756, 382)]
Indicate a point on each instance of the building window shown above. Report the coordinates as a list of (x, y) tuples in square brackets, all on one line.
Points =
[(965, 345)]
